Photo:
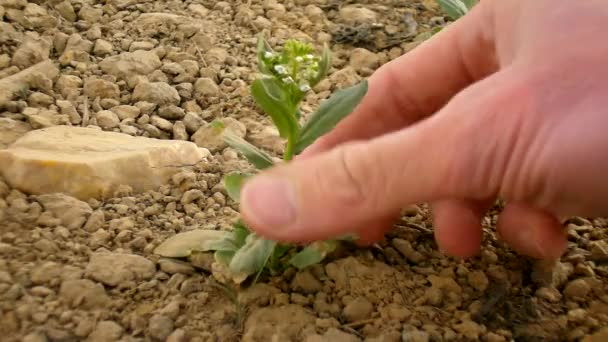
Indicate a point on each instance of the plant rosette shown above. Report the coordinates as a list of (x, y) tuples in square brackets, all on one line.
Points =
[(286, 77)]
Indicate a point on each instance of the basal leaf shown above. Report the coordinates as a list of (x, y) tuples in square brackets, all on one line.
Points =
[(255, 156), (224, 257), (240, 233), (330, 112), (253, 256), (453, 8), (233, 183), (269, 95), (313, 254), (200, 240), (324, 66)]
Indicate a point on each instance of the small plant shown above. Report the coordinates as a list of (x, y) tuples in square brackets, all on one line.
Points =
[(456, 8), (286, 77)]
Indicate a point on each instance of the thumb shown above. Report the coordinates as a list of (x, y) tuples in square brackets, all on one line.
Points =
[(331, 193)]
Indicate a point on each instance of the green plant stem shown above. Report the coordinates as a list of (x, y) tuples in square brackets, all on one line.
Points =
[(289, 148)]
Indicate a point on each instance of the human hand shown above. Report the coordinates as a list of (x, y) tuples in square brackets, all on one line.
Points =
[(509, 101)]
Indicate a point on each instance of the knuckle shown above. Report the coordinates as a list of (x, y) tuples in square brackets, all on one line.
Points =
[(348, 176)]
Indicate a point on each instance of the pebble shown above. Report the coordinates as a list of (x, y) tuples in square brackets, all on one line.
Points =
[(358, 309), (175, 266), (107, 119), (160, 327), (115, 268), (577, 289), (106, 331), (306, 283)]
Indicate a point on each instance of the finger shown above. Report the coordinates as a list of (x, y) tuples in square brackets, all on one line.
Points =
[(374, 231), (532, 232), (457, 226), (459, 153), (420, 82)]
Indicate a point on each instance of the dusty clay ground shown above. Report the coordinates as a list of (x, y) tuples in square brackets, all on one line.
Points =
[(76, 271)]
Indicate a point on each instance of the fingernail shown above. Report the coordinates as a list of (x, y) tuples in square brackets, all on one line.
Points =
[(270, 201)]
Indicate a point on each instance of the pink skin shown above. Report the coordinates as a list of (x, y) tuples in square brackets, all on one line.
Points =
[(510, 102)]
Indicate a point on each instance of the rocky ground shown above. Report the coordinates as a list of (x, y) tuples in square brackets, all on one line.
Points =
[(76, 255)]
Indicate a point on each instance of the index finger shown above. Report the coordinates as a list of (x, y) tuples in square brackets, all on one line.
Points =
[(420, 82)]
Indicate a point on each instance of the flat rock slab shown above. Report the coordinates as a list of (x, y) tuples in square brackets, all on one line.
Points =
[(89, 163)]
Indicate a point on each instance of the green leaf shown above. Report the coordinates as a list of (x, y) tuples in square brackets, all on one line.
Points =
[(453, 8), (262, 48), (199, 240), (330, 112), (240, 233), (470, 3), (324, 66), (255, 156), (271, 98), (233, 183), (224, 257), (253, 256), (313, 254)]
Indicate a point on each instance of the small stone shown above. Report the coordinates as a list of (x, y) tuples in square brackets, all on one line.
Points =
[(258, 295), (305, 282), (115, 268), (141, 46), (106, 331), (171, 112), (209, 138), (95, 221), (470, 329), (358, 309), (407, 250), (66, 10), (161, 123), (35, 337), (146, 108), (126, 112), (90, 14), (193, 122), (30, 51), (412, 334), (159, 93), (102, 47), (175, 266), (171, 310), (179, 131), (205, 87), (37, 99), (478, 280), (45, 273), (83, 293), (354, 14), (178, 335), (97, 87), (598, 336), (71, 212), (362, 60), (550, 294), (160, 327), (577, 289), (173, 68), (128, 65), (216, 56), (107, 119), (11, 130), (99, 239)]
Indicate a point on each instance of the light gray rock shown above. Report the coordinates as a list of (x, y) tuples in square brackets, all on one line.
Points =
[(89, 163)]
